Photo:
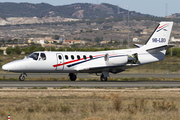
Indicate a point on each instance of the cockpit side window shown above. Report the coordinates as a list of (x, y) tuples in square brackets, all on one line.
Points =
[(43, 56), (34, 56)]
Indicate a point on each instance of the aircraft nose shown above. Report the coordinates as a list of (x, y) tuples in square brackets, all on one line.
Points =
[(10, 66), (6, 67), (13, 66)]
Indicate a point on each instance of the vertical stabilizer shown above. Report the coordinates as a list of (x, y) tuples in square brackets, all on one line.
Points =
[(157, 44), (160, 36)]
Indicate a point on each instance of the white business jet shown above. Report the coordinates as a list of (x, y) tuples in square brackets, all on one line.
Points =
[(102, 62)]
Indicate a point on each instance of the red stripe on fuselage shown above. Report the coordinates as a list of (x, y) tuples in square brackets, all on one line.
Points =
[(74, 61)]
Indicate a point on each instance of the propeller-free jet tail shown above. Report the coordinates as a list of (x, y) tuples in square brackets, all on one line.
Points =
[(104, 62)]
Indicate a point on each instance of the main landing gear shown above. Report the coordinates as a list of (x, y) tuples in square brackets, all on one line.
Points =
[(103, 78), (72, 76), (22, 76)]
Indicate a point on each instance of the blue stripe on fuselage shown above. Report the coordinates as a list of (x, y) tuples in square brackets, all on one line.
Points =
[(71, 65)]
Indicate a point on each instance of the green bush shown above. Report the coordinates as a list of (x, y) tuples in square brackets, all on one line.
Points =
[(8, 50), (17, 50)]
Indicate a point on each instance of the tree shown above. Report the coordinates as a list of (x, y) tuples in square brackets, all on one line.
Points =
[(8, 50), (26, 50), (107, 27), (124, 42), (1, 51), (32, 48), (98, 39), (52, 49), (41, 49), (17, 50), (9, 41), (15, 41), (2, 41)]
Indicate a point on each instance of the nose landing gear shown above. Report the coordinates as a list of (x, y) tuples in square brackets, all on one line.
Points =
[(22, 76)]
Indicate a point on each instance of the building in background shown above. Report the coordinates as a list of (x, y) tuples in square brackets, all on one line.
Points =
[(175, 40), (135, 40)]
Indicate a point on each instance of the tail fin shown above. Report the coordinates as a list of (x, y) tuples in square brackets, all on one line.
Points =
[(160, 36), (157, 44)]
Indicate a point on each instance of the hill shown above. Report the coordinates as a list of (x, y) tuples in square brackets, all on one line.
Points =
[(77, 10), (176, 15)]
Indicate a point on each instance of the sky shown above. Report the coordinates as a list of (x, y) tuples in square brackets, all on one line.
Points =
[(159, 8)]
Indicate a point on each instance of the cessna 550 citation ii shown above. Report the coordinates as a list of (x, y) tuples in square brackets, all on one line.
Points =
[(102, 62)]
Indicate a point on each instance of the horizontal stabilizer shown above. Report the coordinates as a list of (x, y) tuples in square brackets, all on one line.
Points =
[(138, 45), (169, 46), (159, 47)]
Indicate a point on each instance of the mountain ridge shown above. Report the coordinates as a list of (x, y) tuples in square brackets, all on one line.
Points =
[(76, 10)]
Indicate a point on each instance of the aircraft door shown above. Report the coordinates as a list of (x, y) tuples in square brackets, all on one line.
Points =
[(60, 60)]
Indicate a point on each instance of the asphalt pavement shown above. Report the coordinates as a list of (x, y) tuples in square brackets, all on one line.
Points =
[(130, 84), (86, 75), (90, 83)]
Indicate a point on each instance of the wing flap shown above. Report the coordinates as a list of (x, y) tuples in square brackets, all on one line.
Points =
[(102, 68)]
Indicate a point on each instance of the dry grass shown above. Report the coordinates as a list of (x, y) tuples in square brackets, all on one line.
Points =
[(89, 104)]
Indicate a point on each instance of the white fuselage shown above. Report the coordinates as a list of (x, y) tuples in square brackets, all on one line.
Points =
[(74, 62)]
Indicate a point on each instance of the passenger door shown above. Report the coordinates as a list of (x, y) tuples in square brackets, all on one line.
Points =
[(60, 62)]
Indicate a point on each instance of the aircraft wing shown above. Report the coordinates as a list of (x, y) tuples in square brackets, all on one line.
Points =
[(114, 69), (110, 68)]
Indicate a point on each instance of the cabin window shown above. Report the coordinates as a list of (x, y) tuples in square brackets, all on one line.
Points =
[(91, 57), (43, 56), (78, 57), (60, 57), (34, 56), (66, 57), (106, 57), (84, 57), (72, 57)]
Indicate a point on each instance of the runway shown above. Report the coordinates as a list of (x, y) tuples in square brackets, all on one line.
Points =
[(90, 84), (86, 75)]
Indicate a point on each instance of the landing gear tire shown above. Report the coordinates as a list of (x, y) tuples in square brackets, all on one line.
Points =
[(21, 77), (72, 76), (103, 78)]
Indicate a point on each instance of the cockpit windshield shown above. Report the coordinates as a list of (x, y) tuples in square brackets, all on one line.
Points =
[(35, 56)]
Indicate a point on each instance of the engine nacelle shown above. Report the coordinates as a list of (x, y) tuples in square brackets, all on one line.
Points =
[(116, 59)]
